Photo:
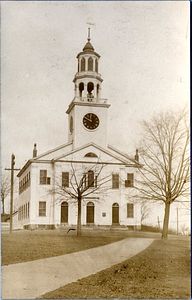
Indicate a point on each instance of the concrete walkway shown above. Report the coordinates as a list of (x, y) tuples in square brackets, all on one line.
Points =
[(32, 279)]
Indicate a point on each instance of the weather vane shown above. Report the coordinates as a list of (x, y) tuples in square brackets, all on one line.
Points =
[(89, 34)]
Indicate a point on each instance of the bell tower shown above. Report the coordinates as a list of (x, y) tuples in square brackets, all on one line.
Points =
[(87, 112)]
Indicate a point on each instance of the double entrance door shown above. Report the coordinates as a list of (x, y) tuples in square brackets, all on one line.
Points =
[(90, 212)]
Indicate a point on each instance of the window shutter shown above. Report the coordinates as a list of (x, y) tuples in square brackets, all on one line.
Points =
[(96, 181), (115, 181)]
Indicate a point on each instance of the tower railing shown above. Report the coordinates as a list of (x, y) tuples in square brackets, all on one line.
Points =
[(87, 72), (90, 100)]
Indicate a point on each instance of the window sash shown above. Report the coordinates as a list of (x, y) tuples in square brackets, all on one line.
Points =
[(90, 178), (42, 208), (130, 210), (43, 176), (130, 177)]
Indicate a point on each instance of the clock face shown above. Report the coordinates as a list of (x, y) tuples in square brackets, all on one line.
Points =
[(71, 125), (91, 121)]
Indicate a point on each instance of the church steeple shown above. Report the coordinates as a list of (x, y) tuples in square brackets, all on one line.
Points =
[(88, 111)]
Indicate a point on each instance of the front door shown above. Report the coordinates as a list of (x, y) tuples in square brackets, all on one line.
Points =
[(115, 213), (64, 212), (90, 212)]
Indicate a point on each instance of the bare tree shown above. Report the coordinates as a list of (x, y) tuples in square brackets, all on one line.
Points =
[(83, 181), (5, 190), (165, 157)]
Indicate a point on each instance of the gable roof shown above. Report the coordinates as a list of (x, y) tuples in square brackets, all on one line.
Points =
[(55, 155), (124, 155), (61, 147)]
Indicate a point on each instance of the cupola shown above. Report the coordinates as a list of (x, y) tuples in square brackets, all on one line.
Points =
[(87, 80)]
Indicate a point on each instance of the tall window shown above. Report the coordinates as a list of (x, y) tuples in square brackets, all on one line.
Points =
[(130, 180), (42, 208), (115, 181), (28, 210), (90, 178), (90, 64), (81, 88), (65, 179), (83, 64), (43, 177), (96, 65), (130, 210)]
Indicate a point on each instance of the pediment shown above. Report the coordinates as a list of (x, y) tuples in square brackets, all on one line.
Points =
[(94, 153)]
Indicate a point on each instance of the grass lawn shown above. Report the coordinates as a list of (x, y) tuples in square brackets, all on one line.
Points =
[(162, 271), (26, 245)]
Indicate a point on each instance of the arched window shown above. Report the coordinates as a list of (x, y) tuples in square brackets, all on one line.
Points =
[(91, 154), (81, 88), (90, 87), (83, 64), (98, 87), (96, 65), (115, 213), (90, 64)]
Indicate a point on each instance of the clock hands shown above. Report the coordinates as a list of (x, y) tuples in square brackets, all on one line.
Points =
[(88, 119)]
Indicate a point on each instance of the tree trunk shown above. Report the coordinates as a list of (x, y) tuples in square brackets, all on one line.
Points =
[(166, 220), (79, 217), (3, 204)]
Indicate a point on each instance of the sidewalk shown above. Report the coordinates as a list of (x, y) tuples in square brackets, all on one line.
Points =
[(32, 279)]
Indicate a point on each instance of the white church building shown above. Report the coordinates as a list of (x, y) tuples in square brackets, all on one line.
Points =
[(88, 156)]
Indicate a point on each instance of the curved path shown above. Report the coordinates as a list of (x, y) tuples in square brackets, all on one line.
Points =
[(32, 279)]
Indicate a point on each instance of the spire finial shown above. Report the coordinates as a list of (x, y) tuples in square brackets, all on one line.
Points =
[(89, 38)]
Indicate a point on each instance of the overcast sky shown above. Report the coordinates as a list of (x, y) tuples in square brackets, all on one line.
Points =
[(144, 48)]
